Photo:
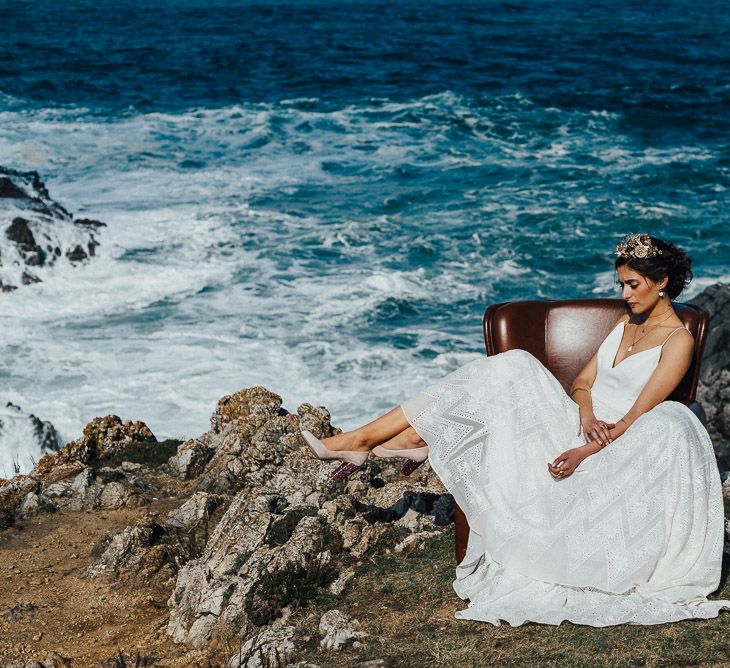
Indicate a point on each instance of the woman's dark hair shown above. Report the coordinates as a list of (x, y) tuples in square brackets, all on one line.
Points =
[(673, 263)]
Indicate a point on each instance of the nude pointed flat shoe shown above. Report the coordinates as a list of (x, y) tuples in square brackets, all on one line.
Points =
[(414, 456), (352, 459)]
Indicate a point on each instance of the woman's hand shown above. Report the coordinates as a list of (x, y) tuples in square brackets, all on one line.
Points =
[(565, 463), (594, 429)]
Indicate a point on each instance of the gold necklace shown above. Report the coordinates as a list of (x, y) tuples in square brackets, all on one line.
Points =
[(659, 314), (633, 343)]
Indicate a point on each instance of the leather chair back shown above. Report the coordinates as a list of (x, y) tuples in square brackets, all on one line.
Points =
[(564, 334)]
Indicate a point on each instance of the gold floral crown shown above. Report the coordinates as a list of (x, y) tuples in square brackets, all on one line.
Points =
[(637, 246)]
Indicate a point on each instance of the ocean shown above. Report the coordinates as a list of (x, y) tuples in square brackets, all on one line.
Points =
[(323, 197)]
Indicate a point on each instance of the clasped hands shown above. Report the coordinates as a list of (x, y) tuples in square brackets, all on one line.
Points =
[(596, 432)]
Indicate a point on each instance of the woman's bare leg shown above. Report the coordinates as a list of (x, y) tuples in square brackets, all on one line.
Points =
[(406, 440), (371, 434)]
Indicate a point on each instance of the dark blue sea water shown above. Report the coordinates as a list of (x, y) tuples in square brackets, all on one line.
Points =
[(323, 197)]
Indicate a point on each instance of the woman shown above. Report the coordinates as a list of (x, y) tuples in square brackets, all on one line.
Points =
[(625, 525)]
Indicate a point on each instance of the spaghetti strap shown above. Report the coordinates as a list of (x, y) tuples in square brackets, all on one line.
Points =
[(667, 339)]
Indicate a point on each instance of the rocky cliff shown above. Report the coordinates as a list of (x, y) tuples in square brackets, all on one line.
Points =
[(257, 526)]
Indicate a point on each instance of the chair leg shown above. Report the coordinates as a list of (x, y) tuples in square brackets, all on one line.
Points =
[(462, 534)]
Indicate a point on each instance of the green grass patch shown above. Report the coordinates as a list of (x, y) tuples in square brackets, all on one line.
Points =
[(406, 603), (149, 453)]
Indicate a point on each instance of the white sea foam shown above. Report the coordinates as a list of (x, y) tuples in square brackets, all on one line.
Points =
[(269, 259)]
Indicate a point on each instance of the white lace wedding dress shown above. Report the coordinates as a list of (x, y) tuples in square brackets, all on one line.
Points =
[(634, 535)]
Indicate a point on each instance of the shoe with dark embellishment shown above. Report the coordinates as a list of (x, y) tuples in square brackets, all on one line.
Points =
[(352, 459), (414, 456)]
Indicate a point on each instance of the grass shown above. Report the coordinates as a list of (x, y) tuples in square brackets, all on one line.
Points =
[(150, 453), (406, 603)]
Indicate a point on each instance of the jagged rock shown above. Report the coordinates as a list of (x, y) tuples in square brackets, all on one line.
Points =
[(103, 438), (249, 404), (95, 488), (194, 511), (290, 528), (713, 390), (191, 458), (128, 549), (151, 549), (36, 228), (338, 630), (12, 494), (33, 503), (271, 647), (75, 478), (52, 660)]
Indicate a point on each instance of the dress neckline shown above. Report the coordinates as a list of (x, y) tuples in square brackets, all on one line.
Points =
[(618, 347)]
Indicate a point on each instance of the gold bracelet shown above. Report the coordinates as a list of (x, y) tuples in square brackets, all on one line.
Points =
[(624, 421), (587, 389)]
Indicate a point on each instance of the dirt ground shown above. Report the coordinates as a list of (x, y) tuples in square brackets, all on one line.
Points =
[(46, 605)]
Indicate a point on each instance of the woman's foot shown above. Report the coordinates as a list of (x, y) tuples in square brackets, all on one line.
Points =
[(405, 440), (408, 445), (352, 459), (347, 440)]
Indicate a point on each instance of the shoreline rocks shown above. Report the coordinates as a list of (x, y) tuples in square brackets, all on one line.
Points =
[(37, 230)]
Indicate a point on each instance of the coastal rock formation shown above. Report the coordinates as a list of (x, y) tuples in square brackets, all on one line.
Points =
[(36, 231), (713, 389), (22, 433), (290, 528), (78, 477), (260, 528)]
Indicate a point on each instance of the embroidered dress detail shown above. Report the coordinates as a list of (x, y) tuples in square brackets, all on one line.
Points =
[(634, 535)]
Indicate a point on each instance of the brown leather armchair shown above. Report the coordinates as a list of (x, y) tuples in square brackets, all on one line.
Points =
[(563, 335)]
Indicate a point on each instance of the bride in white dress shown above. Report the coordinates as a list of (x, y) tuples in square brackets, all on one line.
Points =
[(600, 507)]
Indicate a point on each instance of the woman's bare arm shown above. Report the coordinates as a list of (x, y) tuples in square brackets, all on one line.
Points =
[(675, 361)]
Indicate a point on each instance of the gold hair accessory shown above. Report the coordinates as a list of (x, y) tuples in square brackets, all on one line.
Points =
[(637, 246)]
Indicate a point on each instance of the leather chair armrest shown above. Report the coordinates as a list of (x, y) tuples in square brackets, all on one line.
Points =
[(696, 408), (461, 528)]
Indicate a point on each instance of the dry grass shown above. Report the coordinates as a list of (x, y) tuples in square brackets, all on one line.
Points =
[(407, 604)]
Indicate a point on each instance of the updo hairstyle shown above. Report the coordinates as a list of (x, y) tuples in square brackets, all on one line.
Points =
[(673, 262)]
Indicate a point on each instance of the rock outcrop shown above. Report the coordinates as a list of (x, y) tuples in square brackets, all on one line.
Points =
[(23, 434), (290, 528), (37, 231), (713, 389), (261, 526), (79, 476)]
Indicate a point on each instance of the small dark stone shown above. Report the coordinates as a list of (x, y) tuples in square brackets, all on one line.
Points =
[(19, 231), (88, 222), (29, 278), (77, 254), (9, 189)]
